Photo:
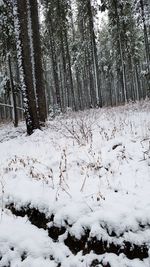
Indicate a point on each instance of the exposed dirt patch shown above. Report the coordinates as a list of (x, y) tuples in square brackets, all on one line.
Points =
[(86, 244)]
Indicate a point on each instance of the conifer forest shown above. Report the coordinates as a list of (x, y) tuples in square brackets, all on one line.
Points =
[(57, 55), (74, 133)]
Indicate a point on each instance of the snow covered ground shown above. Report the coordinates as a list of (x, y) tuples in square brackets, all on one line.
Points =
[(87, 175)]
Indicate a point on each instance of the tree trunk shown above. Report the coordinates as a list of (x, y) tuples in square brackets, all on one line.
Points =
[(25, 65), (95, 58), (54, 64), (146, 41), (15, 114), (37, 61)]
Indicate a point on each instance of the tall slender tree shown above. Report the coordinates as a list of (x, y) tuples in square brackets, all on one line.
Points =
[(37, 69), (25, 64)]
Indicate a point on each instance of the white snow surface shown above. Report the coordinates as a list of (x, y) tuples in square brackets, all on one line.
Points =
[(90, 169)]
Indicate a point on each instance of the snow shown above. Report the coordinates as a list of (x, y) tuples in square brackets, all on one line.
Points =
[(19, 57), (90, 170), (1, 2)]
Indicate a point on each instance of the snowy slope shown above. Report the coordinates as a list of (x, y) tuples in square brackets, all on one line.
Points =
[(85, 176)]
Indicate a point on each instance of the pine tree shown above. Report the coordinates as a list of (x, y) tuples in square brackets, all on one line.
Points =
[(37, 69), (142, 11), (91, 90), (59, 51), (8, 54), (22, 29), (126, 49)]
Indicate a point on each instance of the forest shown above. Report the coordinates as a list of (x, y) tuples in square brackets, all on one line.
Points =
[(72, 54), (74, 133)]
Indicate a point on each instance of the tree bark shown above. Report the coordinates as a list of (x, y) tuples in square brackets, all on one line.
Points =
[(37, 61), (15, 114), (25, 65)]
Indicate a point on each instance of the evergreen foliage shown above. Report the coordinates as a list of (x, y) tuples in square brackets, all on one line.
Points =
[(84, 65)]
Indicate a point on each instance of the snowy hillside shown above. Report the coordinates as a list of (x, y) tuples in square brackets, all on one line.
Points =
[(77, 194)]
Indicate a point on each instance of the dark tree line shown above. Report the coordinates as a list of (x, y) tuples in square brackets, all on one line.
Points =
[(84, 66), (107, 66)]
